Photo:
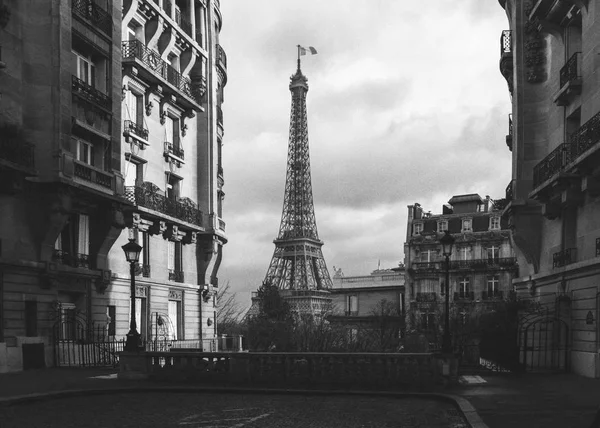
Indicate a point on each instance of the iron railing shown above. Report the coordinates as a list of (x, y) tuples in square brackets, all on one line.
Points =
[(14, 149), (585, 137), (135, 49), (426, 296), (571, 70), (151, 199), (492, 295), (555, 162), (464, 295), (506, 43), (176, 275), (91, 174), (89, 93), (564, 257), (71, 259), (425, 265), (137, 128), (221, 57), (174, 149), (89, 10)]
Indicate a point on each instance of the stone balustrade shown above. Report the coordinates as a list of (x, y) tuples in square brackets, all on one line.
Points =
[(325, 370)]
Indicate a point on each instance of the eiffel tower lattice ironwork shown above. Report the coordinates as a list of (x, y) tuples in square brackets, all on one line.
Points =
[(298, 262)]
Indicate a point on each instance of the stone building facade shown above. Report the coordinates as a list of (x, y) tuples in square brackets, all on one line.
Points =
[(112, 129), (549, 57), (358, 301), (482, 263)]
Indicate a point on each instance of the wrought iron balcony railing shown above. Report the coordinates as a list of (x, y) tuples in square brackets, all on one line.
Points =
[(571, 70), (89, 93), (174, 150), (461, 264), (14, 149), (464, 295), (426, 296), (149, 197), (89, 10), (492, 295), (137, 128), (506, 43), (425, 265), (176, 275), (564, 257), (92, 174), (221, 57), (71, 259), (135, 49), (587, 136)]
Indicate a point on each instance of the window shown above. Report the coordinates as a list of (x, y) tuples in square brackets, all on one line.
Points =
[(427, 320), (171, 255), (145, 253), (417, 228), (85, 152), (31, 318), (463, 287), (352, 305), (134, 105), (442, 225), (68, 321), (493, 253), (492, 285), (463, 253), (73, 243), (428, 255), (111, 320), (85, 69), (467, 225), (494, 223), (174, 261), (175, 313), (133, 173)]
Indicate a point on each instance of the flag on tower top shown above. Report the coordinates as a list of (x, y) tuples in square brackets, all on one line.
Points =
[(308, 50)]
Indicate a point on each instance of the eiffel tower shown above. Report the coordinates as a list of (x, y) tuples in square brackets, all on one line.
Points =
[(298, 268)]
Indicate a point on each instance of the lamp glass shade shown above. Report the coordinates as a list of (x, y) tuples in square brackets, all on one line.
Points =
[(447, 241), (132, 251)]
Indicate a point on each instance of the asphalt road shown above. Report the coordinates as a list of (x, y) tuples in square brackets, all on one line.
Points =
[(220, 410)]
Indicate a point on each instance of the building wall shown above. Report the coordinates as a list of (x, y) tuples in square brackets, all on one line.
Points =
[(554, 218)]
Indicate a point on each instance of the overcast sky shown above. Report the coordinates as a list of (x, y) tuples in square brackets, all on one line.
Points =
[(405, 104)]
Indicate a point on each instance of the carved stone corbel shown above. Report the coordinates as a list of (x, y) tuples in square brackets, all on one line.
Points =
[(103, 281), (172, 233), (188, 114), (190, 238), (158, 228), (139, 223)]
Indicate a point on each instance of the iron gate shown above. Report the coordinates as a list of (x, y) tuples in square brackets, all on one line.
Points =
[(77, 344), (544, 344)]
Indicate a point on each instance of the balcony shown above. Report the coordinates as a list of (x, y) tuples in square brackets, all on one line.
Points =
[(71, 259), (92, 174), (222, 62), (91, 94), (492, 295), (564, 257), (176, 275), (149, 196), (570, 80), (426, 296), (174, 150), (461, 264), (138, 129), (506, 58), (13, 149), (425, 266), (143, 269), (93, 13), (138, 53), (464, 295), (509, 136)]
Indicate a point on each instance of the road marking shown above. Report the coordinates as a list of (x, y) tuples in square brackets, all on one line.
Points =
[(110, 376), (199, 421), (470, 380)]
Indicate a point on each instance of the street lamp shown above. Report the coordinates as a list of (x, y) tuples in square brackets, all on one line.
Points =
[(447, 241), (132, 254)]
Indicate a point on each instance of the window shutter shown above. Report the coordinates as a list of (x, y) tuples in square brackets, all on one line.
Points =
[(170, 255)]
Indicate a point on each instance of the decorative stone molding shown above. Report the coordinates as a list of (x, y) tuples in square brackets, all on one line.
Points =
[(175, 294), (158, 228), (172, 233), (139, 223), (190, 238)]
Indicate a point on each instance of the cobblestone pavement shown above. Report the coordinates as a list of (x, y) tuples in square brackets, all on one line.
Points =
[(221, 410)]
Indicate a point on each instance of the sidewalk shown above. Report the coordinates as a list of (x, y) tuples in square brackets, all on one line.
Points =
[(527, 401), (535, 400)]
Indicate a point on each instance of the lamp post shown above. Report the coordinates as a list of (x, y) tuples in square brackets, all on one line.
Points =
[(447, 241), (132, 254)]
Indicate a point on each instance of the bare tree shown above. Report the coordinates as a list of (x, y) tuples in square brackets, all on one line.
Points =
[(229, 312)]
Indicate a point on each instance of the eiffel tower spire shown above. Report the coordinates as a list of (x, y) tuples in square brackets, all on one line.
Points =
[(298, 262)]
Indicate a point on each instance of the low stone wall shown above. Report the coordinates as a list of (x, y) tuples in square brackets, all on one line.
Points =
[(337, 370)]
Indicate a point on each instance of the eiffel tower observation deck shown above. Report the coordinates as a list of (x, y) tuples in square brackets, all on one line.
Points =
[(298, 268)]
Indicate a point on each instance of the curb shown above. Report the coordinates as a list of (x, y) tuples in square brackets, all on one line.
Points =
[(465, 407)]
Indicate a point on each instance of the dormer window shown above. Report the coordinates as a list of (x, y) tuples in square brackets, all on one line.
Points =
[(442, 225), (494, 223), (417, 228), (467, 225)]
